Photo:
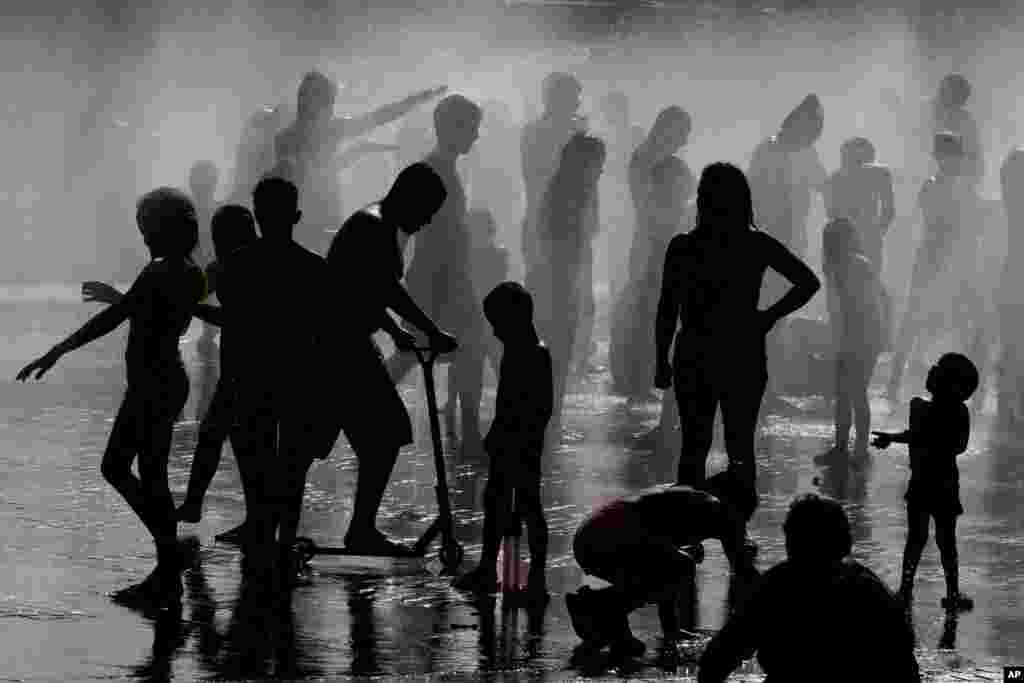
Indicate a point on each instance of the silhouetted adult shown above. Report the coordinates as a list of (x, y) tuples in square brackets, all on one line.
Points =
[(561, 278), (660, 184), (710, 284), (784, 173), (311, 142), (276, 327), (440, 275), (365, 262), (787, 624), (540, 148)]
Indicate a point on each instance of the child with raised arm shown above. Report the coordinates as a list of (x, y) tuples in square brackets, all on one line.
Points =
[(937, 434), (515, 440), (158, 307)]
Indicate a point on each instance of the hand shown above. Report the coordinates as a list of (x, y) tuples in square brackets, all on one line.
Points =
[(39, 366), (100, 292), (404, 341), (442, 342), (663, 375), (881, 440)]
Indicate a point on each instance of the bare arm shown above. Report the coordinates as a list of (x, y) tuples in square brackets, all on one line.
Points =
[(669, 303), (399, 301), (344, 128), (805, 283)]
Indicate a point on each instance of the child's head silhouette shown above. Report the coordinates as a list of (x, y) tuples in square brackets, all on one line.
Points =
[(509, 309), (857, 152), (954, 376), (167, 220), (954, 91), (232, 228), (817, 531), (416, 195), (457, 123), (275, 203)]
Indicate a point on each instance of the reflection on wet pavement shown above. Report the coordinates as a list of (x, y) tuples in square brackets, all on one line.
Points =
[(70, 540)]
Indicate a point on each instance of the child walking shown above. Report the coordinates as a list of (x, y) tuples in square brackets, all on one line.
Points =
[(938, 432), (515, 440), (858, 313), (159, 307)]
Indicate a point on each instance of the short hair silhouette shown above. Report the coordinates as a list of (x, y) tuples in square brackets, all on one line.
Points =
[(817, 530), (857, 151), (232, 226), (417, 185), (557, 83), (959, 374), (275, 201), (316, 91), (509, 304), (723, 197), (670, 117), (954, 90), (167, 218), (839, 237), (948, 145), (455, 108)]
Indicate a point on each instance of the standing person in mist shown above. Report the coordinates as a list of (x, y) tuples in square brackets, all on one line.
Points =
[(562, 277), (1011, 284), (950, 114), (710, 288), (861, 192), (785, 173), (440, 277), (660, 185), (254, 154), (310, 146), (540, 148)]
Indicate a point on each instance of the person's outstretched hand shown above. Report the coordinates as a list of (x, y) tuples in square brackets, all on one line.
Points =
[(663, 375), (442, 342), (39, 366), (404, 341), (881, 440), (100, 292)]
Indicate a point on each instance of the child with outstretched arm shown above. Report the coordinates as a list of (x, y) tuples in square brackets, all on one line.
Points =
[(937, 434), (159, 307), (515, 440)]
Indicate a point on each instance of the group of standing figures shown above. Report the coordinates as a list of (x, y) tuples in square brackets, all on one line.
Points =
[(708, 283)]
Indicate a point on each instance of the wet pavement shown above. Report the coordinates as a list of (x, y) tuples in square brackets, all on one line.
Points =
[(69, 540)]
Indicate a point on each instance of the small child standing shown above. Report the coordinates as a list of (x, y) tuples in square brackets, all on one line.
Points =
[(938, 432), (159, 307), (515, 440), (858, 312)]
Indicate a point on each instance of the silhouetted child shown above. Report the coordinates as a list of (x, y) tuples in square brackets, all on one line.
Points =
[(645, 547), (158, 307), (515, 440), (439, 276), (946, 200), (233, 228), (365, 262), (858, 311), (861, 191), (938, 433)]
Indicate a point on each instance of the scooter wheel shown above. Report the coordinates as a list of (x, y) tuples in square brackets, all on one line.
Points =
[(450, 555), (305, 549)]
